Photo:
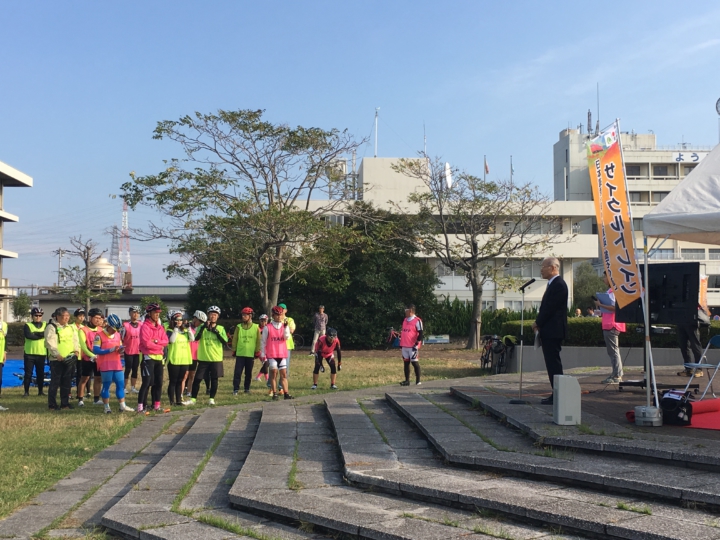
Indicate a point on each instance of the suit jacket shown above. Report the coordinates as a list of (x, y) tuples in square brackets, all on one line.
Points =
[(552, 316)]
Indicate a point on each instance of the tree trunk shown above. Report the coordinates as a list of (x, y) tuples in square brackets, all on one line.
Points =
[(474, 342), (274, 286)]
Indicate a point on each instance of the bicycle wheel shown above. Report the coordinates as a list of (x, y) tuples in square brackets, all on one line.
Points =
[(500, 366), (298, 340)]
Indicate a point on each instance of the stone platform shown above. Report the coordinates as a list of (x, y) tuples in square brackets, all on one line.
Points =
[(452, 460)]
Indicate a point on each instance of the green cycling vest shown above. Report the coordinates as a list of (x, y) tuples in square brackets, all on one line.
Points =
[(65, 335), (3, 334), (247, 340), (210, 348), (36, 346), (179, 353)]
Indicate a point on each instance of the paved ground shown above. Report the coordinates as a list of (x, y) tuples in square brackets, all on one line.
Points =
[(448, 459)]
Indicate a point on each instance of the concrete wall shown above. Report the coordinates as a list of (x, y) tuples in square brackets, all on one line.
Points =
[(577, 357)]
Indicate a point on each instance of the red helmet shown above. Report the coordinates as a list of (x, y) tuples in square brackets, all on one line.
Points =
[(152, 307), (247, 311), (277, 310)]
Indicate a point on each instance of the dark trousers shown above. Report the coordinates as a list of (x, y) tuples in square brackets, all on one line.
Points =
[(213, 369), (551, 351), (38, 362), (152, 376), (689, 340), (176, 374), (61, 374), (243, 363)]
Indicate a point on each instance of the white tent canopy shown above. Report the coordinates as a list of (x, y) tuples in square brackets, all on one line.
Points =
[(691, 212)]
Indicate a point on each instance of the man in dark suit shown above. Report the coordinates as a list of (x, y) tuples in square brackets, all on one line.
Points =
[(551, 321)]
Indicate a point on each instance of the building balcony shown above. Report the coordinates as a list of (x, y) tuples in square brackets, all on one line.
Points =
[(5, 254), (11, 177)]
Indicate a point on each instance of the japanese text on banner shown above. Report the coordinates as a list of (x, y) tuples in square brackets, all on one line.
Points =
[(612, 210)]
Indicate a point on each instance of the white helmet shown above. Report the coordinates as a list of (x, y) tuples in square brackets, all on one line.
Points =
[(174, 313), (213, 309), (200, 315)]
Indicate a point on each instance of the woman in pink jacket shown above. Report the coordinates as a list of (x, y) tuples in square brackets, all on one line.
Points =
[(153, 340)]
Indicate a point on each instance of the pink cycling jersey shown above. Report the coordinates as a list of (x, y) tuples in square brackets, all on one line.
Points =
[(410, 331), (131, 339), (276, 346)]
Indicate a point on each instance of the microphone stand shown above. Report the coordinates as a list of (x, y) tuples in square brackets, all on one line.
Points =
[(520, 400)]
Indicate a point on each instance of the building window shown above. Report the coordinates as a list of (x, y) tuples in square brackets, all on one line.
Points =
[(523, 269), (660, 170), (637, 224), (658, 196), (488, 305), (687, 169), (714, 281), (333, 221), (693, 254), (663, 254), (714, 254), (632, 170)]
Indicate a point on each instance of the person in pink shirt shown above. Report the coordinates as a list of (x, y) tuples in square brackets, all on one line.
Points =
[(153, 340), (411, 339), (273, 347), (130, 333), (108, 347), (611, 332)]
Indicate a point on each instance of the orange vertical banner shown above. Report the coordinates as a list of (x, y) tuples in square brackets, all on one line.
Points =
[(612, 210)]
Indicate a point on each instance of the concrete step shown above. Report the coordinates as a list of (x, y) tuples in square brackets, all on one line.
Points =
[(587, 512), (595, 433), (467, 438)]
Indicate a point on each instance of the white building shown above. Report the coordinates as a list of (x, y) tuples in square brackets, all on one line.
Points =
[(652, 172), (387, 189), (9, 177)]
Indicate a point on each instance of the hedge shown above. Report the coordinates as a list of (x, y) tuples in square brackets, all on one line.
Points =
[(587, 332)]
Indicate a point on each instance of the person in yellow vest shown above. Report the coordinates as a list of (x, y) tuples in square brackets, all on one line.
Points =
[(246, 344), (35, 351), (211, 337), (61, 340), (3, 353), (179, 357), (290, 342)]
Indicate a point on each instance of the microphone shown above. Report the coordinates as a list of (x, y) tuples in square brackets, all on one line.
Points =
[(522, 289)]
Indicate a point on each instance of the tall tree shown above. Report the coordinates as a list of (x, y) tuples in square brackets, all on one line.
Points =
[(81, 282), (477, 226), (586, 283), (240, 202)]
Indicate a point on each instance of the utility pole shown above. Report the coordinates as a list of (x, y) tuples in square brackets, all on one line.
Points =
[(59, 252), (376, 126)]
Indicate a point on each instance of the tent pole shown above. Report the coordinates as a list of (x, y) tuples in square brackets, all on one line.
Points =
[(646, 316)]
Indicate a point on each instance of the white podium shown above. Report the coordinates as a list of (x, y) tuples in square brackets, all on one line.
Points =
[(566, 400)]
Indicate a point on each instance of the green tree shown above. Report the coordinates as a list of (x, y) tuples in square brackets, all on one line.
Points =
[(476, 226), (80, 282), (586, 283), (212, 289), (21, 305), (241, 202)]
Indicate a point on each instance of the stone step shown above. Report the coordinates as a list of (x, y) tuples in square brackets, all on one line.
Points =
[(584, 511), (595, 433), (454, 433), (127, 457)]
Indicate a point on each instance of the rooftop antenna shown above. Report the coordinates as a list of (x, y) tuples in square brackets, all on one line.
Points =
[(376, 125), (589, 124)]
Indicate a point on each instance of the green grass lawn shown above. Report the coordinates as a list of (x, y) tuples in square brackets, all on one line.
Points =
[(40, 447)]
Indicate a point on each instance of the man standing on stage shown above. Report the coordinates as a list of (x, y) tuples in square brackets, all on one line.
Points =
[(551, 321)]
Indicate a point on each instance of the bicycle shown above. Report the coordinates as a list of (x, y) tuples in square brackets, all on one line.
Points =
[(298, 340), (502, 349), (392, 339), (486, 358)]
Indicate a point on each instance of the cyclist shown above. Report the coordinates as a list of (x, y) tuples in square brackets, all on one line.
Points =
[(88, 367), (411, 339), (262, 322), (61, 341), (153, 340), (130, 333), (3, 352), (325, 348), (35, 351), (198, 319), (246, 344), (79, 316), (107, 346), (179, 357), (211, 337), (290, 342), (273, 347)]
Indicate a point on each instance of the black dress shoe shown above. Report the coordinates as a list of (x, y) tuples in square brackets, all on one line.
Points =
[(547, 401)]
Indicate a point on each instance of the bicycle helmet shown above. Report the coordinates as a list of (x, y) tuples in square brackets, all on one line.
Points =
[(37, 311), (247, 311), (331, 332), (200, 315), (277, 310), (134, 309), (95, 311), (79, 311), (150, 308), (174, 314), (264, 317), (114, 321), (213, 309)]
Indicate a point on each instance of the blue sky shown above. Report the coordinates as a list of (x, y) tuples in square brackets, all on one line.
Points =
[(84, 83)]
